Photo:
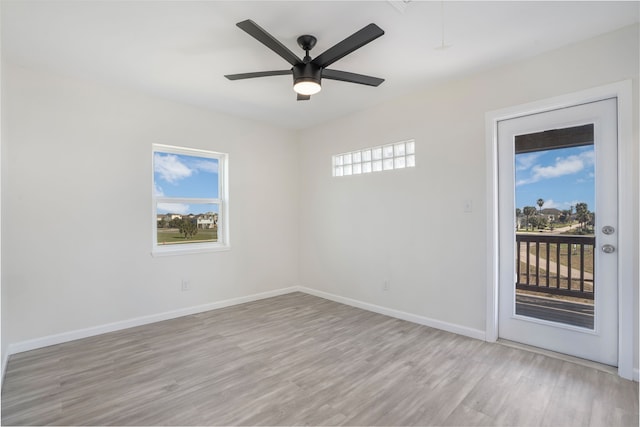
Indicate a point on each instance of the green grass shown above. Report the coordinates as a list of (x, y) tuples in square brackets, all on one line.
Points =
[(171, 236)]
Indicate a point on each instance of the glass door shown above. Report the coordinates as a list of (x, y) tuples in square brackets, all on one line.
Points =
[(558, 220)]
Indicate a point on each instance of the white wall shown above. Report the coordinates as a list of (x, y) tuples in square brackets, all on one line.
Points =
[(76, 161), (4, 301), (77, 206), (408, 226)]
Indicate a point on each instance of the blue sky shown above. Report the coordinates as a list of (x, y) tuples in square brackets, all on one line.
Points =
[(561, 177), (179, 175)]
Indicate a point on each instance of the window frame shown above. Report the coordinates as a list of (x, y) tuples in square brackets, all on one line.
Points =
[(222, 201)]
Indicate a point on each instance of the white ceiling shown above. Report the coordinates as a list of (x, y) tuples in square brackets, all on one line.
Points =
[(180, 50)]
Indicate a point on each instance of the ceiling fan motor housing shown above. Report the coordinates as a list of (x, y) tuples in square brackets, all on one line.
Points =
[(308, 72)]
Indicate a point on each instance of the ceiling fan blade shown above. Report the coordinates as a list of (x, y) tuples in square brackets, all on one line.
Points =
[(257, 74), (348, 45), (345, 76), (269, 41), (303, 97)]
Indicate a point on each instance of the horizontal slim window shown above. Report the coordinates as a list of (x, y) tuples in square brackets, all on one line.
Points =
[(399, 155)]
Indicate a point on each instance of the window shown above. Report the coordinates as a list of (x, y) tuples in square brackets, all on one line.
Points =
[(190, 209), (386, 157)]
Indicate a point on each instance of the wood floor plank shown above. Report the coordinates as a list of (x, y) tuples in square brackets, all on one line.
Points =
[(301, 360)]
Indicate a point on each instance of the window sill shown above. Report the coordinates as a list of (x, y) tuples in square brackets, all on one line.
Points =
[(194, 248)]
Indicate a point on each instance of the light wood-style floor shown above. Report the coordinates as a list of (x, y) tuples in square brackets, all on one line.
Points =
[(298, 359)]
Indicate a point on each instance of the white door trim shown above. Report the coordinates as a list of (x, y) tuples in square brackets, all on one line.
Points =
[(626, 206)]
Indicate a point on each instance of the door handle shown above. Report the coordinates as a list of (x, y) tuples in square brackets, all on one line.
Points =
[(608, 249)]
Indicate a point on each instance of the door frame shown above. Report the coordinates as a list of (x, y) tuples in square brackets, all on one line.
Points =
[(626, 207)]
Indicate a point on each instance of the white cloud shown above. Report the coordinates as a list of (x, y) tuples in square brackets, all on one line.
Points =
[(562, 166), (158, 190), (525, 161), (588, 178), (210, 166), (176, 208), (550, 204), (170, 168)]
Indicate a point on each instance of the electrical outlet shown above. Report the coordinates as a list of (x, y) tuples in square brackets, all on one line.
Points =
[(385, 285), (186, 285)]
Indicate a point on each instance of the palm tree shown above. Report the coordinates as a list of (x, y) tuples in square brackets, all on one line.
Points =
[(540, 202), (528, 211), (570, 216), (582, 214)]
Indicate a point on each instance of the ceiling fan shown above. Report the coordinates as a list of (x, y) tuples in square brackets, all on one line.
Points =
[(307, 72)]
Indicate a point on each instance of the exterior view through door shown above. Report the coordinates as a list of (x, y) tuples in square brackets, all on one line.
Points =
[(558, 230), (554, 237)]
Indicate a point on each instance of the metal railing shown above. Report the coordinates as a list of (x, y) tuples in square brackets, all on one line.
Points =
[(555, 264)]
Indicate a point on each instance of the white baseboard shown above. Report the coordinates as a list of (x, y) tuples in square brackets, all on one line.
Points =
[(46, 341), (414, 318), (143, 320), (49, 340)]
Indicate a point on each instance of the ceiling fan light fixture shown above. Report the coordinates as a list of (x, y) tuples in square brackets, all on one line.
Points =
[(306, 79), (307, 86)]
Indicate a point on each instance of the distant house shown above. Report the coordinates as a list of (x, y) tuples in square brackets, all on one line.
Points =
[(552, 214), (207, 220), (168, 217)]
